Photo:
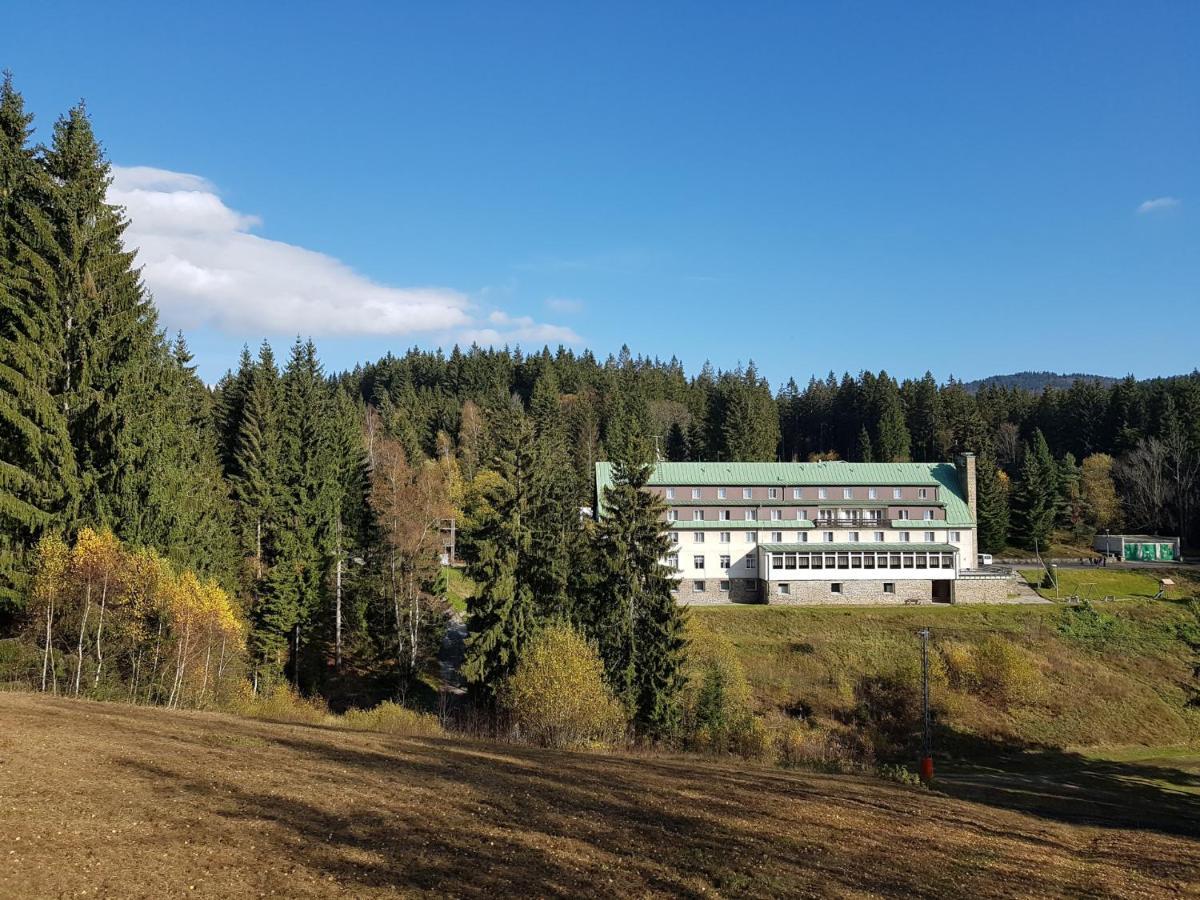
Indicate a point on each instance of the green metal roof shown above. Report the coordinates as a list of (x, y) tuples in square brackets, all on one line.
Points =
[(864, 547), (816, 474)]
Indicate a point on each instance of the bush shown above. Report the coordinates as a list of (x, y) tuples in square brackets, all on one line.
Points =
[(798, 745), (717, 714), (279, 703), (1084, 624), (557, 696), (392, 718), (995, 668), (899, 774), (888, 709)]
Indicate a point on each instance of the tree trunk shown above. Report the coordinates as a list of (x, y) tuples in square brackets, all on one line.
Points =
[(100, 629), (49, 637), (87, 605)]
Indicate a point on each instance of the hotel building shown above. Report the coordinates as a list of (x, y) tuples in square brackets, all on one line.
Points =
[(823, 532)]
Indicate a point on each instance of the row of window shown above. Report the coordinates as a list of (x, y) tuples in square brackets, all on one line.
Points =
[(920, 560), (749, 515), (784, 587), (750, 562), (822, 493), (852, 537)]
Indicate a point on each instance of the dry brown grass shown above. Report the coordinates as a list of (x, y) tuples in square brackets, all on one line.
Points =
[(123, 801)]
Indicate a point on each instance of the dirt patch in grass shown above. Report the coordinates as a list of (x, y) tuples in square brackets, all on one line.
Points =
[(132, 802)]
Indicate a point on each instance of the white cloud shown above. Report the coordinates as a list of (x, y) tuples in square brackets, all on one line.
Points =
[(564, 305), (205, 267), (508, 329), (1158, 203)]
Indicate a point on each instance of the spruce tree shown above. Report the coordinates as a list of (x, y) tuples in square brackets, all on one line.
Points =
[(991, 505), (37, 462), (633, 614), (1035, 501), (554, 514), (502, 615)]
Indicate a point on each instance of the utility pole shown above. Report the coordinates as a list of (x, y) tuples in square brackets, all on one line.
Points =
[(926, 770)]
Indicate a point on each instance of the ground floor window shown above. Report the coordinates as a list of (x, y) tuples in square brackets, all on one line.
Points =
[(835, 587), (697, 587), (725, 586), (785, 588), (889, 587)]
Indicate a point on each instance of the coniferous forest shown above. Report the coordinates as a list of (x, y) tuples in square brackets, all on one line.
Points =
[(160, 537)]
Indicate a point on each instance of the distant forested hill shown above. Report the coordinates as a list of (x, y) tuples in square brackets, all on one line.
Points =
[(1037, 381)]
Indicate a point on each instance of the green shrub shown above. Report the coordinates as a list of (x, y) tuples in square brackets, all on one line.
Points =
[(799, 745), (1005, 673), (717, 715), (899, 774), (557, 696), (279, 703), (392, 718), (1086, 625)]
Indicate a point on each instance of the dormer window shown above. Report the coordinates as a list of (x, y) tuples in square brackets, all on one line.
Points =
[(772, 493), (695, 493), (670, 493), (747, 493), (847, 494)]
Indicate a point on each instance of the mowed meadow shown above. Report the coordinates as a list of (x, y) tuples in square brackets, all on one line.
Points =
[(107, 799)]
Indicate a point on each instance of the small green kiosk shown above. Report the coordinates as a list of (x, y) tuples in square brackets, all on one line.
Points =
[(1138, 547)]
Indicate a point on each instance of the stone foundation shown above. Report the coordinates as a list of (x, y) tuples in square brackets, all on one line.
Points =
[(741, 590), (985, 588), (809, 593)]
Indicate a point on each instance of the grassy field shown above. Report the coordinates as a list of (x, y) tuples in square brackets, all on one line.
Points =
[(1101, 582), (460, 588), (1052, 676), (114, 800)]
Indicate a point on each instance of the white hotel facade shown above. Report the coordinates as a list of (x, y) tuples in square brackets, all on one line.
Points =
[(824, 532)]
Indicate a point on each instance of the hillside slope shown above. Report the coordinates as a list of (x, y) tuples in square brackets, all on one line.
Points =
[(135, 802)]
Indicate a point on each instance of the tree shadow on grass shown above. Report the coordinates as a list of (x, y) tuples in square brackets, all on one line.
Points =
[(477, 818), (1068, 787)]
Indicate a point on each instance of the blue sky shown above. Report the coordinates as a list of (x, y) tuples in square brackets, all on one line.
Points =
[(834, 186)]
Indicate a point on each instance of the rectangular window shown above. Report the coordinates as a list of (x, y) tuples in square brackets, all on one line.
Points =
[(674, 537), (801, 514), (777, 537), (795, 493), (673, 561), (801, 537), (697, 537), (725, 586), (835, 587), (847, 494), (698, 587), (905, 537), (895, 493), (785, 588), (725, 515), (751, 561), (724, 537), (697, 562), (868, 560), (822, 494), (670, 493), (695, 493), (928, 515), (720, 493), (751, 537), (902, 515), (852, 537), (889, 587), (922, 493), (776, 560), (747, 493), (776, 515), (749, 515), (672, 515), (725, 562), (879, 537), (772, 493), (872, 494), (698, 515), (930, 537), (827, 536), (955, 536), (789, 561)]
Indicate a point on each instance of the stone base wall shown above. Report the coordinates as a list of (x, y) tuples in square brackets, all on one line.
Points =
[(809, 593), (741, 590), (985, 590)]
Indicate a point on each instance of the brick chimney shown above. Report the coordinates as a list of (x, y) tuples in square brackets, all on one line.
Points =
[(965, 463)]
